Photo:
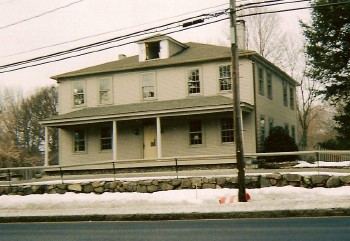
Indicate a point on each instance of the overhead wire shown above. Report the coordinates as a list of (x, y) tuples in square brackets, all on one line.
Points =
[(40, 15), (155, 29)]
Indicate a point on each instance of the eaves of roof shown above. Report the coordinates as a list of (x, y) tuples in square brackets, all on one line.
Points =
[(201, 104), (195, 53)]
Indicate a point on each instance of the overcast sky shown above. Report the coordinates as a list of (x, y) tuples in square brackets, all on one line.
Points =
[(26, 25)]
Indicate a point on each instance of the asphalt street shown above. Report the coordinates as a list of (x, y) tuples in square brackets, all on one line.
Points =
[(285, 229)]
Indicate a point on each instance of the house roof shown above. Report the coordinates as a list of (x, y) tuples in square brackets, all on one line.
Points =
[(198, 105), (196, 52)]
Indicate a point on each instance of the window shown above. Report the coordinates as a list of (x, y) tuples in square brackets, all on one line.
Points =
[(285, 95), (225, 77), (78, 93), (293, 131), (291, 97), (106, 91), (286, 128), (148, 86), (152, 50), (194, 86), (262, 129), (106, 138), (269, 85), (79, 140), (261, 81), (270, 123), (196, 135), (227, 133)]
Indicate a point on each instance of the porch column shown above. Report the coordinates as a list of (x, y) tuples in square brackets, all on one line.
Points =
[(46, 162), (159, 139), (114, 141)]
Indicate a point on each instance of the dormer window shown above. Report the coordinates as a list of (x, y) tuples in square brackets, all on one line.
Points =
[(152, 50)]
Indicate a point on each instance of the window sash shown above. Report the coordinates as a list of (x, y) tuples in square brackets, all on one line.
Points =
[(194, 85), (148, 86), (291, 97), (78, 94), (225, 77), (227, 130), (196, 134), (261, 81), (79, 139), (285, 94), (269, 85), (105, 91), (106, 138)]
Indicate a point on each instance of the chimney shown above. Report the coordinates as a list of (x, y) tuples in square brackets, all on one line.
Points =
[(121, 56), (241, 35)]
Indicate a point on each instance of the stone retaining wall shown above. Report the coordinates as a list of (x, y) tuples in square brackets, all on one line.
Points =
[(150, 186)]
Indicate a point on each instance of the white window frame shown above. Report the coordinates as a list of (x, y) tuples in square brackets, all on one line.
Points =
[(291, 98), (224, 129), (108, 138), (109, 91), (285, 93), (191, 133), (188, 81), (269, 85), (227, 78), (261, 81), (143, 86), (79, 140), (75, 93)]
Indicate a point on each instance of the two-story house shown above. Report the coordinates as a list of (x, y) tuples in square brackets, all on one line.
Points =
[(173, 99)]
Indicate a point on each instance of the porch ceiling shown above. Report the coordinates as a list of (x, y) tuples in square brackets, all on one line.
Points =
[(187, 106)]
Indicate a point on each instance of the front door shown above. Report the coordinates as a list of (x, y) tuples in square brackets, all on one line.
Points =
[(149, 141)]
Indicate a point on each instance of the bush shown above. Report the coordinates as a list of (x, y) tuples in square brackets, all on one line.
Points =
[(280, 141)]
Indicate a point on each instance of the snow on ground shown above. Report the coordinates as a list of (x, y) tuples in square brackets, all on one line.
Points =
[(323, 164), (177, 201)]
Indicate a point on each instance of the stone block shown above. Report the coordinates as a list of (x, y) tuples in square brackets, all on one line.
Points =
[(197, 181), (165, 186), (141, 189), (221, 181), (264, 182), (96, 184), (345, 179), (333, 182), (113, 185), (209, 186), (152, 188), (186, 183), (75, 187), (319, 179), (88, 188), (176, 182), (292, 177), (99, 190)]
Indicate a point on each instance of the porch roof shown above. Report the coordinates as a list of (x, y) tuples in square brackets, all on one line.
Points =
[(190, 105)]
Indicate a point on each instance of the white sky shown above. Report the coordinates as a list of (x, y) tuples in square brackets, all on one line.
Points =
[(91, 17)]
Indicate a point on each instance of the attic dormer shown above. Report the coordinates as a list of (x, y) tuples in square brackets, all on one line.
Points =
[(158, 47)]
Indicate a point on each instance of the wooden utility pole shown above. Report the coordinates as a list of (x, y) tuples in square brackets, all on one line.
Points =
[(237, 114)]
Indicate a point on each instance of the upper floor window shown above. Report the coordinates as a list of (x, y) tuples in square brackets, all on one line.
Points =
[(106, 138), (196, 135), (152, 50), (79, 93), (106, 91), (225, 77), (269, 85), (261, 81), (148, 86), (194, 85), (79, 140), (291, 97), (227, 130), (285, 94)]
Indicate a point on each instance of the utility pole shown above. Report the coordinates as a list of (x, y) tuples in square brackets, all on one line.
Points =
[(237, 114)]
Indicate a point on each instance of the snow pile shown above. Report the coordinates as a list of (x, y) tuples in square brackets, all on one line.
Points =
[(303, 164), (177, 201)]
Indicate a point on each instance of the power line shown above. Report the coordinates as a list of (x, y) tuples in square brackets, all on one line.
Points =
[(147, 31), (108, 32), (40, 15)]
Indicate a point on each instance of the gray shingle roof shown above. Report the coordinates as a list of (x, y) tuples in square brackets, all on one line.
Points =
[(143, 108), (196, 52)]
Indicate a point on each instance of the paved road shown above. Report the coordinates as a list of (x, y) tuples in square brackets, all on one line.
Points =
[(294, 229)]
